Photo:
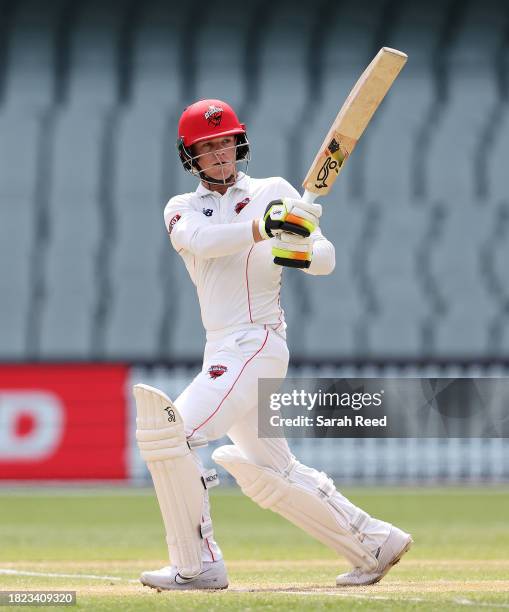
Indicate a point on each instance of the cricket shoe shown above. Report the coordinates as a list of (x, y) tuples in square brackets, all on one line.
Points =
[(212, 576), (395, 546)]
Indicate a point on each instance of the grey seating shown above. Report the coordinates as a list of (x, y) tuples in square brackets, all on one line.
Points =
[(29, 70), (19, 135), (501, 259), (494, 254), (401, 305), (286, 130), (344, 209), (283, 89), (86, 269), (186, 337), (335, 303), (76, 258), (498, 185), (391, 140), (220, 67), (72, 264), (456, 261), (138, 236), (156, 80), (28, 94), (472, 94), (347, 49), (146, 168)]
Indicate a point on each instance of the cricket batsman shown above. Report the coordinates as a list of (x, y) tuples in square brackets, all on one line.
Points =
[(234, 235)]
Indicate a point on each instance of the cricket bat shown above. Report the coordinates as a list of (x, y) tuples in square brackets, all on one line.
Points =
[(352, 120)]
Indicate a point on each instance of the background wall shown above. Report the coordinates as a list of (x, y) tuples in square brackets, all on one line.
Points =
[(90, 94)]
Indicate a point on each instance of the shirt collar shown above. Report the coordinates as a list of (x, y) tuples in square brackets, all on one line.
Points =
[(242, 184)]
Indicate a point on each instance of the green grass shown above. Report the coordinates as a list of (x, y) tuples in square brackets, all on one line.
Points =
[(460, 558)]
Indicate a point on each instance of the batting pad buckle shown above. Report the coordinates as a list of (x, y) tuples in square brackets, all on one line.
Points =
[(326, 489), (210, 478), (206, 530), (197, 442), (359, 524)]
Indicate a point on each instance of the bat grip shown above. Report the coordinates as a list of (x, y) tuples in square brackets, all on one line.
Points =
[(309, 196)]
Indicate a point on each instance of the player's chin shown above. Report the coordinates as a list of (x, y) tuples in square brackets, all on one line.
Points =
[(223, 173)]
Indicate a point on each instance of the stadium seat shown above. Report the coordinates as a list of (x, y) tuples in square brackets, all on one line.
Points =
[(334, 302), (471, 96), (457, 268), (91, 95), (19, 205), (220, 67), (30, 80), (28, 91), (401, 302), (283, 89), (139, 236), (77, 282), (77, 227), (156, 81)]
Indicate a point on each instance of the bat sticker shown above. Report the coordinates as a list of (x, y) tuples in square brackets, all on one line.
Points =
[(171, 414), (333, 146), (323, 174)]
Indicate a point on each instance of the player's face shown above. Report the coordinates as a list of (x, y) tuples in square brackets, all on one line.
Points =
[(217, 157)]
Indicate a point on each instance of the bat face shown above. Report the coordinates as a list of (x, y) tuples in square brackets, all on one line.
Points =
[(352, 119)]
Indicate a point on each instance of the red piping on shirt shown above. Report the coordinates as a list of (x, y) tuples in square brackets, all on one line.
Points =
[(280, 309), (247, 285)]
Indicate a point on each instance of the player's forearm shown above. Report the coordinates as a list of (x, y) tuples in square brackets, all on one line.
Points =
[(221, 240), (324, 258)]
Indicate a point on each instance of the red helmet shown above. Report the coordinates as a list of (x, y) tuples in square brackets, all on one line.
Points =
[(205, 120)]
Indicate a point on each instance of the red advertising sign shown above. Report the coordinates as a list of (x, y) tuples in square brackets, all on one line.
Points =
[(63, 422)]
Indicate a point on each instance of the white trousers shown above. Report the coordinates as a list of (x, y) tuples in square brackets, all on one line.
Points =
[(223, 400)]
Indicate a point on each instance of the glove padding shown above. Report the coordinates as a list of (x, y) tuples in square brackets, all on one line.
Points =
[(290, 215), (293, 251)]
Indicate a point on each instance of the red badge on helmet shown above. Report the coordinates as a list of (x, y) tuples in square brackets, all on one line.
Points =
[(172, 222), (241, 205), (213, 115), (215, 371)]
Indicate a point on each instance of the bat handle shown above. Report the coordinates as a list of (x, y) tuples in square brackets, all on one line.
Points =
[(309, 196)]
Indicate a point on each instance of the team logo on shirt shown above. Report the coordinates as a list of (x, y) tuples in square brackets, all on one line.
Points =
[(213, 115), (215, 371), (207, 212), (172, 222), (241, 205)]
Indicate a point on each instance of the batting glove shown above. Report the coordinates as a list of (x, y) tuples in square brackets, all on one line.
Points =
[(293, 251), (289, 215)]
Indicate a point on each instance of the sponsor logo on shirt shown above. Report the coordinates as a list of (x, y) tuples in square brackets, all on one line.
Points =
[(241, 205), (172, 222), (215, 371), (207, 212), (213, 115)]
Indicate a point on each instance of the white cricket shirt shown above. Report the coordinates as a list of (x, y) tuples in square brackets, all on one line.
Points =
[(238, 283)]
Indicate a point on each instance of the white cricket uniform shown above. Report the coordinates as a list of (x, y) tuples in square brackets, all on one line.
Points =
[(238, 287)]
